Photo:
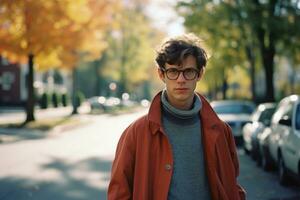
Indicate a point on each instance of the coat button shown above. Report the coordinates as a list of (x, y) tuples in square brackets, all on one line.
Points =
[(168, 167)]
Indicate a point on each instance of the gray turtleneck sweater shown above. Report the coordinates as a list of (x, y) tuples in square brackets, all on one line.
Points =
[(183, 129)]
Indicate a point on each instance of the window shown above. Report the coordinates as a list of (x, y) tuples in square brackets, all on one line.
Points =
[(233, 109), (266, 114)]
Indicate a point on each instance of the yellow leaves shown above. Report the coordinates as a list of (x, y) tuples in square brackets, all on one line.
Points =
[(23, 44), (54, 31), (60, 24), (44, 60), (78, 11), (239, 77)]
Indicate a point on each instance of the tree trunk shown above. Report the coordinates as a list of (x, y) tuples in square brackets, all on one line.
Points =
[(224, 87), (268, 61), (267, 54), (293, 78), (266, 38), (30, 90), (97, 91), (123, 75), (122, 83), (251, 59), (74, 92)]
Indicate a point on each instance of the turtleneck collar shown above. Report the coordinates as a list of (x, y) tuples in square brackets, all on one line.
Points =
[(176, 114)]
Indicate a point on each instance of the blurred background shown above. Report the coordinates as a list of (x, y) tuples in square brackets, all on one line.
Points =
[(52, 52), (73, 66)]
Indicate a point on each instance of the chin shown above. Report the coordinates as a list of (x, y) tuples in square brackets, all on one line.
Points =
[(182, 97)]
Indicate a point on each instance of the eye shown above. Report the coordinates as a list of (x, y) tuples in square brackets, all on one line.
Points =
[(172, 70), (190, 71)]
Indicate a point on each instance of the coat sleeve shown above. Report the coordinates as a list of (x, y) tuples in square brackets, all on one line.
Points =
[(122, 173), (233, 152)]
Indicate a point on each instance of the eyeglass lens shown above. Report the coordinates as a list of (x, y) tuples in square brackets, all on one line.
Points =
[(188, 73)]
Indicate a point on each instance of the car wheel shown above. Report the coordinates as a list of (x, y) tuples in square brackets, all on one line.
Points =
[(264, 163), (245, 149), (253, 154), (254, 150), (299, 170), (282, 172), (259, 158), (266, 160)]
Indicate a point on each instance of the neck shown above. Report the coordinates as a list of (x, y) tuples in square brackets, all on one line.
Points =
[(181, 113), (183, 105)]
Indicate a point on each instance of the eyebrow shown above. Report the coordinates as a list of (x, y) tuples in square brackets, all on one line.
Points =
[(181, 67)]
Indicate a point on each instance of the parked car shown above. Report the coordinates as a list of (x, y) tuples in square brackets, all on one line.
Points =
[(96, 102), (101, 103), (263, 157), (260, 119), (236, 113), (284, 140)]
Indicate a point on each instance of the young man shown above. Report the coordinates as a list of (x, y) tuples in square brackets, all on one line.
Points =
[(180, 149)]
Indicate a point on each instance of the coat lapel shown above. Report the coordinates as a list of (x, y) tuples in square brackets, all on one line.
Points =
[(211, 129)]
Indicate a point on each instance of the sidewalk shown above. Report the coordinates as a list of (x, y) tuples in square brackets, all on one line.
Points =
[(49, 122), (19, 115), (15, 116)]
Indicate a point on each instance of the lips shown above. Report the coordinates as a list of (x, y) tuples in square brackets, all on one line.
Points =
[(181, 89)]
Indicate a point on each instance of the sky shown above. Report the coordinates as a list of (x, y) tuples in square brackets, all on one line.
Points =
[(164, 17)]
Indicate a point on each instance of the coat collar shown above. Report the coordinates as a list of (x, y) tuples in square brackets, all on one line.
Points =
[(209, 119), (210, 122), (154, 114)]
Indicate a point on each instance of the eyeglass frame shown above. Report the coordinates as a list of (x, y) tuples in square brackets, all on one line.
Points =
[(181, 71)]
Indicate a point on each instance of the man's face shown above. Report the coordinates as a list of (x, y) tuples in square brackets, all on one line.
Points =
[(181, 90)]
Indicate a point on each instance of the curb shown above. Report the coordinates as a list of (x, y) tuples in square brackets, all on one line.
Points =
[(12, 135)]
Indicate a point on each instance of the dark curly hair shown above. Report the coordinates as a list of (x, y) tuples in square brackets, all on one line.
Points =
[(175, 50)]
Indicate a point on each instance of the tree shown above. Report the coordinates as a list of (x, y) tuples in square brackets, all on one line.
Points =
[(50, 33), (262, 26), (130, 53), (210, 21)]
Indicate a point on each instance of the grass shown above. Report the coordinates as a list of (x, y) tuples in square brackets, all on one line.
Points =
[(43, 124)]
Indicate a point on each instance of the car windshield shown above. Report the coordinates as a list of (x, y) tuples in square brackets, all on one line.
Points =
[(266, 114), (234, 108)]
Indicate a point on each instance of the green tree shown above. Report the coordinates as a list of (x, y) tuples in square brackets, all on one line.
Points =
[(261, 26), (211, 21)]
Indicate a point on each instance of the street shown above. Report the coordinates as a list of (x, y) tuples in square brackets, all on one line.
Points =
[(75, 165)]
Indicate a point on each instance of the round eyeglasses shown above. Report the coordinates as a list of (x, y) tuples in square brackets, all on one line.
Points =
[(188, 73)]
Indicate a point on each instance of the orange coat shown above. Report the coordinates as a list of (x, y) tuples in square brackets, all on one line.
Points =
[(142, 168)]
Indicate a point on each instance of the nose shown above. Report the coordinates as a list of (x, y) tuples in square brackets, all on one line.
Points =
[(180, 77)]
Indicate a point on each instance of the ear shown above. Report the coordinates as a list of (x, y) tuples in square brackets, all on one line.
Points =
[(161, 74), (201, 73)]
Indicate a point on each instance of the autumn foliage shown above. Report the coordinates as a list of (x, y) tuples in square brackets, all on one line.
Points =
[(53, 31)]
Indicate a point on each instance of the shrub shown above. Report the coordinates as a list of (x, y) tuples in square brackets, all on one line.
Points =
[(55, 100), (79, 98), (44, 101), (64, 99)]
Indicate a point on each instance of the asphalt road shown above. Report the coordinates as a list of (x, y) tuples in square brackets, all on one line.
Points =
[(261, 185), (75, 165)]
